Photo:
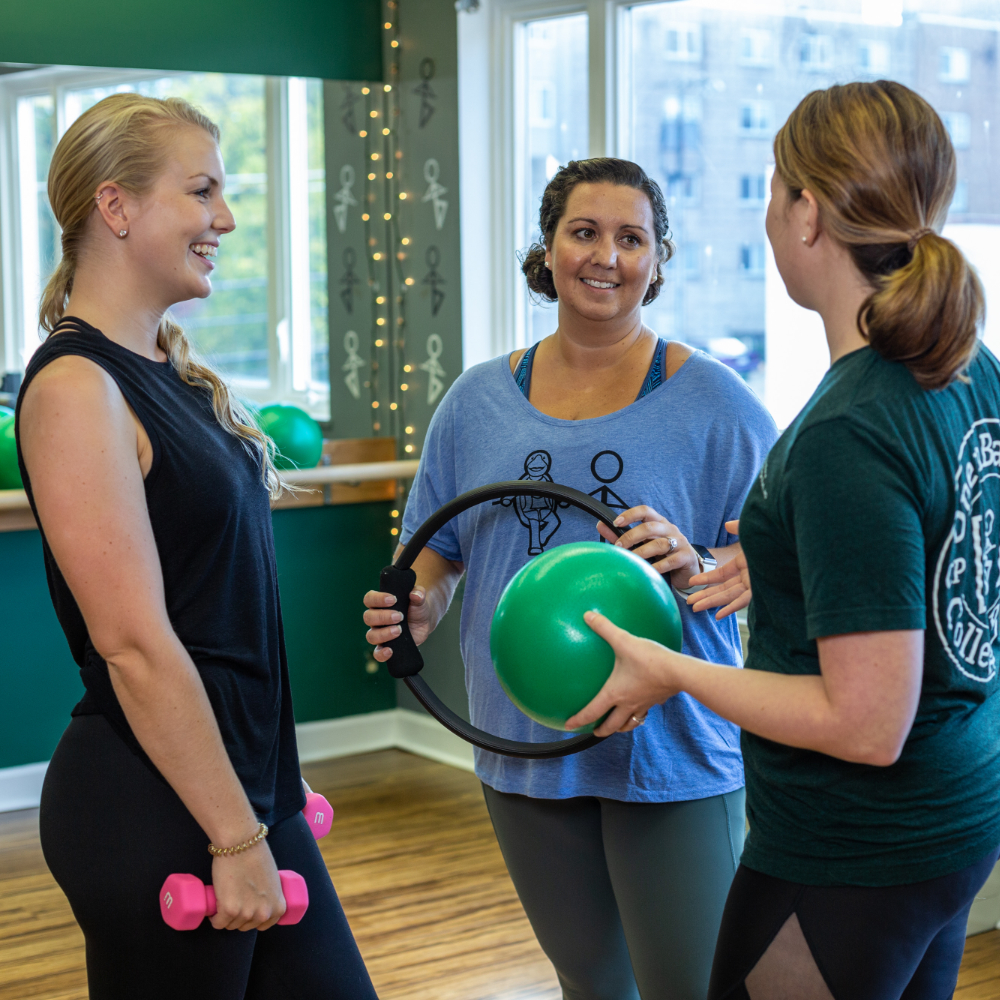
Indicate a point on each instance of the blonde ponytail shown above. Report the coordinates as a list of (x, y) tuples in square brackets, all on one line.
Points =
[(125, 139), (879, 162)]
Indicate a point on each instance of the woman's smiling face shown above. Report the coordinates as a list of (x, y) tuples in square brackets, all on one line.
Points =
[(176, 227), (604, 252)]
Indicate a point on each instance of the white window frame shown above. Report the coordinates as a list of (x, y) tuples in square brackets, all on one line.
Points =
[(289, 356)]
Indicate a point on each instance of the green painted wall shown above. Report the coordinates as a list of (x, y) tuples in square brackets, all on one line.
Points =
[(39, 682), (334, 39), (327, 558)]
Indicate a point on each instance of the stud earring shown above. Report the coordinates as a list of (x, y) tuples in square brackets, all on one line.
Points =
[(123, 233), (805, 239), (548, 265), (99, 197)]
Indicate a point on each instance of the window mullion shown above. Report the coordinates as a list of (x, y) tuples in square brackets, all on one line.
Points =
[(279, 271), (10, 258)]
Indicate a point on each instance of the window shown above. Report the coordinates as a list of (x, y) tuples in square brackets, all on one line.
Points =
[(873, 57), (960, 201), (677, 117), (683, 42), (755, 47), (690, 260), (752, 259), (816, 53), (554, 67), (264, 326), (955, 65), (756, 117), (541, 104), (752, 189), (959, 126)]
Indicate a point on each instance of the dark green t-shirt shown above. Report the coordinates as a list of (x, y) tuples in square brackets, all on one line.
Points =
[(877, 510)]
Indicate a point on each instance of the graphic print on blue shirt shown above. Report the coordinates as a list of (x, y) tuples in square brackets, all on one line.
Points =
[(540, 515), (690, 450), (604, 493)]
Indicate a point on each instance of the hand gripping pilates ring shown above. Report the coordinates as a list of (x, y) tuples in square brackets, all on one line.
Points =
[(406, 661)]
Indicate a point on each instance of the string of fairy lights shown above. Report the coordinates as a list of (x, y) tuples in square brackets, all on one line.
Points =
[(386, 251)]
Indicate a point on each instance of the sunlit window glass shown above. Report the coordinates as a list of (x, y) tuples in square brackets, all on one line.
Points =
[(553, 125), (36, 134), (706, 85)]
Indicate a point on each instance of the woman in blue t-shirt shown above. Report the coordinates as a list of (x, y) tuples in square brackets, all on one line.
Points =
[(870, 708), (623, 854)]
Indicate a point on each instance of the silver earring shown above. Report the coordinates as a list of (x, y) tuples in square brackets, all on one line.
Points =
[(99, 197), (123, 233), (805, 239)]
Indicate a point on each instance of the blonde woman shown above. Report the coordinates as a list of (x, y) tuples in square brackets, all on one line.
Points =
[(870, 705), (150, 486)]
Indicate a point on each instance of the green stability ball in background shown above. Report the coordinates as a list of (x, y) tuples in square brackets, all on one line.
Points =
[(10, 475), (550, 663), (298, 441)]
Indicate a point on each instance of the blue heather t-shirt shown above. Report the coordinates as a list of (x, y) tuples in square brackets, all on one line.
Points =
[(690, 449)]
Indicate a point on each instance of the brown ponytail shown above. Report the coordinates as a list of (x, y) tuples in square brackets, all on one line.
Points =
[(879, 162), (125, 139)]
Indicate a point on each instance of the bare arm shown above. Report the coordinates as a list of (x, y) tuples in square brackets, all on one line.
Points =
[(430, 599), (82, 447), (860, 708)]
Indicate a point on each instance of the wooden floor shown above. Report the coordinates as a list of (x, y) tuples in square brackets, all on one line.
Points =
[(414, 859)]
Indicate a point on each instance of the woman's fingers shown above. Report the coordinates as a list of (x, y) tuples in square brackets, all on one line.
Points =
[(733, 527), (640, 513), (379, 599), (721, 574), (741, 602)]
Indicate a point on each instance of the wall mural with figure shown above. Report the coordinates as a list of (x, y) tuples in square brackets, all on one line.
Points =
[(393, 232)]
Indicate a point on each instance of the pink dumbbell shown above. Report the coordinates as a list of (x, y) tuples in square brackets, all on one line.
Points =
[(185, 900), (319, 814)]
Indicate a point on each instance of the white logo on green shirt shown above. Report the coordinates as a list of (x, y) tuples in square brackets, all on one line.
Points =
[(967, 579)]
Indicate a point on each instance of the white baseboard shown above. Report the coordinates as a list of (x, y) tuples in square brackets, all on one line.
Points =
[(398, 727), (420, 734), (21, 787)]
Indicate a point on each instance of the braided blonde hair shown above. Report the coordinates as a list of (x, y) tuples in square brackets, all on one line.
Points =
[(125, 139)]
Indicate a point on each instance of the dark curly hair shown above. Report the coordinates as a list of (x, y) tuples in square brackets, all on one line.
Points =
[(600, 169)]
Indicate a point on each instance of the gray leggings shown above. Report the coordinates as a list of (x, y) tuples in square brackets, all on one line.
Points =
[(625, 898)]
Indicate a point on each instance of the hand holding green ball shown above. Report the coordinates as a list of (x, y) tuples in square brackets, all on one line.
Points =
[(550, 663)]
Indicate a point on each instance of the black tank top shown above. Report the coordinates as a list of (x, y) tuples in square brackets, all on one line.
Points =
[(211, 520)]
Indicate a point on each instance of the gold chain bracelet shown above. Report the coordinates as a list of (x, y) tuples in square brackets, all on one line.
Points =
[(239, 848)]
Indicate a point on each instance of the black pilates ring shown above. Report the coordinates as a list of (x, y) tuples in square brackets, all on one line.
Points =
[(406, 661)]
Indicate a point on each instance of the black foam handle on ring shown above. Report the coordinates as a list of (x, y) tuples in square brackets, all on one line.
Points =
[(394, 581), (406, 659)]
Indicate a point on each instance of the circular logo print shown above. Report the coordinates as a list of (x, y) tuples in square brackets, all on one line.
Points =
[(967, 579)]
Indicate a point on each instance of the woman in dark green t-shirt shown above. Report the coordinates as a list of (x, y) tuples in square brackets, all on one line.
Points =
[(869, 703)]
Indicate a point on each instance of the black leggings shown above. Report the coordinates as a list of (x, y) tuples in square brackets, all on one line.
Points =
[(901, 941), (112, 832)]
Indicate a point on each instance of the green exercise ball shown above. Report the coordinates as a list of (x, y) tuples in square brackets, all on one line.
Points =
[(10, 474), (6, 411), (548, 660), (298, 441)]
